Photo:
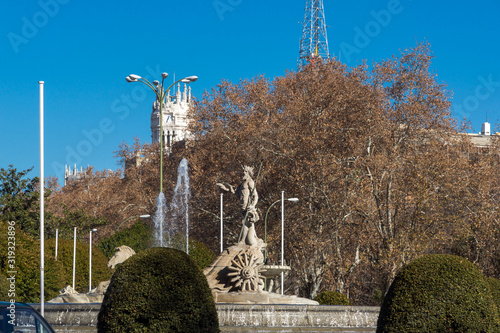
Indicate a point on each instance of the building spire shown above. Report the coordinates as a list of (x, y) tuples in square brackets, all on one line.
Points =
[(314, 42)]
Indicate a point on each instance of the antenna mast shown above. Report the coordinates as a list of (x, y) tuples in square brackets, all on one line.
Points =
[(314, 42)]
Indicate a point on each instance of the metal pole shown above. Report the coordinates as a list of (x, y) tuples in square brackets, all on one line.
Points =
[(42, 204), (282, 238), (57, 239), (90, 261), (162, 95), (221, 223), (187, 228), (74, 257)]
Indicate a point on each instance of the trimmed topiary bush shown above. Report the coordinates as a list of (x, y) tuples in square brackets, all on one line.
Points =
[(158, 290), (439, 293), (332, 298)]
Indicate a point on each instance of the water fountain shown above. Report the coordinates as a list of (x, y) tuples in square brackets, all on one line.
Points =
[(172, 222), (238, 275)]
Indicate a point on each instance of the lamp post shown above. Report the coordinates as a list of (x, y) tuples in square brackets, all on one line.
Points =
[(131, 217), (74, 256), (282, 200), (221, 222), (267, 212), (57, 239), (161, 95), (90, 259)]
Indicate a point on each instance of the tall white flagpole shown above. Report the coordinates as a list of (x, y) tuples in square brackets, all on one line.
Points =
[(42, 205)]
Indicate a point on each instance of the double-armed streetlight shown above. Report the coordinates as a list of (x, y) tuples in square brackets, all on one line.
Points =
[(161, 95), (282, 200), (265, 219), (132, 217)]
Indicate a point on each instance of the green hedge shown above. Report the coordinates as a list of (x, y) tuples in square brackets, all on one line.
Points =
[(27, 266), (138, 237), (332, 298), (439, 293), (158, 290), (200, 253), (100, 270), (4, 288)]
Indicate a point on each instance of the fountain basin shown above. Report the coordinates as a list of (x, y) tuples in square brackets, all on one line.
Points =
[(271, 271), (259, 297), (263, 318)]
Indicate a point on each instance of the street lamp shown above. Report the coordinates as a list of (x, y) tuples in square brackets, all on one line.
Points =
[(74, 256), (267, 212), (221, 222), (282, 200), (161, 95), (90, 259), (57, 239), (132, 217)]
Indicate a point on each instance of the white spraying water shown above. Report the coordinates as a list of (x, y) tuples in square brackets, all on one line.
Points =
[(159, 219), (172, 228), (179, 207)]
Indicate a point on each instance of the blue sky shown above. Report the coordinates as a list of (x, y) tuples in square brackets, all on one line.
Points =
[(84, 49)]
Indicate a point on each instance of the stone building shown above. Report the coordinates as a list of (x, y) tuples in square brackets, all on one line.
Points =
[(72, 175), (174, 118), (483, 139)]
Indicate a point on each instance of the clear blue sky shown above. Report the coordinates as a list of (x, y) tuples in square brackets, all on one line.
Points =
[(84, 49)]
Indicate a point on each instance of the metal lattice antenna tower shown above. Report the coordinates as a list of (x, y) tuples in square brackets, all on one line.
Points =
[(314, 42)]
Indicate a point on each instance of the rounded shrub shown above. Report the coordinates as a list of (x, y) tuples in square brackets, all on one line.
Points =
[(328, 297), (158, 290), (439, 293)]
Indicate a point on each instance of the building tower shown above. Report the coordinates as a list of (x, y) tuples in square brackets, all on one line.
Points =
[(174, 118), (73, 175), (314, 42)]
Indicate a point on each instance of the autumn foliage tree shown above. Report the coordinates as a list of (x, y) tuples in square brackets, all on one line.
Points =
[(111, 200), (374, 156), (373, 153)]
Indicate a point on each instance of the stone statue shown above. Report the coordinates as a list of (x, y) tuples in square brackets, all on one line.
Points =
[(247, 193), (122, 253), (238, 274), (69, 295)]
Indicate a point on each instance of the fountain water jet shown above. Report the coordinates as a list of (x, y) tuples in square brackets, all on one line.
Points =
[(169, 222), (159, 219), (179, 207)]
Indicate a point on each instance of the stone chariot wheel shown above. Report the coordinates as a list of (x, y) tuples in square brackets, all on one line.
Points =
[(245, 272)]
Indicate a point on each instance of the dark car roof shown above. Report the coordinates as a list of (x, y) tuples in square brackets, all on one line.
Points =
[(4, 305)]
